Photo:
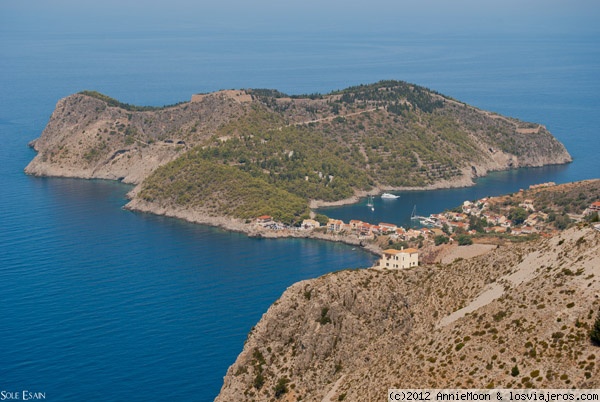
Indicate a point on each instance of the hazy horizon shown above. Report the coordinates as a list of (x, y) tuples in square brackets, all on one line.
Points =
[(311, 16)]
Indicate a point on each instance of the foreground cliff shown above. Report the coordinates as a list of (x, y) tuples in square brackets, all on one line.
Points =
[(241, 154), (517, 317)]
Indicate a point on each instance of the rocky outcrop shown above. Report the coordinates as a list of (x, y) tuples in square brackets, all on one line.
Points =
[(87, 137), (353, 334)]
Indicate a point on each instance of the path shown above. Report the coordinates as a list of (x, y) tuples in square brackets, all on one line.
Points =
[(333, 390)]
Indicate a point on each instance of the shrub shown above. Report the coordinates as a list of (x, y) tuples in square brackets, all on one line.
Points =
[(259, 381), (595, 331), (281, 387), (464, 240), (324, 319), (441, 239), (514, 371)]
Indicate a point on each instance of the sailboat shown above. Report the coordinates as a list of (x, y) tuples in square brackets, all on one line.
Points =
[(370, 203), (413, 215), (425, 221)]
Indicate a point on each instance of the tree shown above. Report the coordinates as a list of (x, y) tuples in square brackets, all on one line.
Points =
[(464, 240), (518, 215), (322, 219), (440, 239), (446, 228), (281, 387), (476, 224), (595, 332), (592, 218)]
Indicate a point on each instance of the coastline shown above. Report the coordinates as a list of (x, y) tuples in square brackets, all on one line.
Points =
[(251, 230), (237, 225), (463, 181)]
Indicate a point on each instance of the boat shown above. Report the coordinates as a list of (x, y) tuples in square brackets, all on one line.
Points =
[(414, 216), (429, 222), (388, 196), (424, 220), (370, 203)]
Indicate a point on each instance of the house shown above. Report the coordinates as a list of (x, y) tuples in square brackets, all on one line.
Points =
[(365, 228), (356, 224), (388, 227), (264, 220), (335, 225), (496, 229), (399, 259), (411, 234), (310, 224), (534, 219), (458, 225), (346, 228), (528, 205), (595, 207), (366, 236)]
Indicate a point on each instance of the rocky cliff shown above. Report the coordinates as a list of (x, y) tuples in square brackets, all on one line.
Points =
[(517, 317), (90, 137)]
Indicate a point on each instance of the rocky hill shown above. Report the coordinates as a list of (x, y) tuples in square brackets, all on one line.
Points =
[(517, 317), (240, 154)]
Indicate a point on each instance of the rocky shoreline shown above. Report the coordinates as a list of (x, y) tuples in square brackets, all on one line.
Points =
[(237, 225)]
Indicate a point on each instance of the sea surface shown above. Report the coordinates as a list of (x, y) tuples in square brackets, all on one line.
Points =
[(99, 303)]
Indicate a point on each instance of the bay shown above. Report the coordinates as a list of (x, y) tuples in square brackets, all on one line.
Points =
[(99, 303)]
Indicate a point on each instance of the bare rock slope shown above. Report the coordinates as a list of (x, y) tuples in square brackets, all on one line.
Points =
[(517, 317), (88, 137)]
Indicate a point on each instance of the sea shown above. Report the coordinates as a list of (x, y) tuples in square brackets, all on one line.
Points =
[(102, 304)]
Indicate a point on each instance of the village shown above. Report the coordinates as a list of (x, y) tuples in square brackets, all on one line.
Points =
[(487, 220)]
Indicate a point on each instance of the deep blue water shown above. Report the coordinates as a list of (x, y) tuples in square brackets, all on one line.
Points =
[(98, 303)]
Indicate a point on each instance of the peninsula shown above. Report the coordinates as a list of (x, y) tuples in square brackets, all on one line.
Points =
[(228, 157)]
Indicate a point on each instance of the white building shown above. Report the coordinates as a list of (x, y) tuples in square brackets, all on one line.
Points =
[(399, 259)]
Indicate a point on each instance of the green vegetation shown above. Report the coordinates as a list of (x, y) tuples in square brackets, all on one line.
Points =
[(115, 103), (568, 199), (595, 331), (324, 319), (281, 387), (299, 160), (518, 215), (391, 93), (258, 361), (220, 190), (441, 239), (464, 240), (322, 219), (390, 133)]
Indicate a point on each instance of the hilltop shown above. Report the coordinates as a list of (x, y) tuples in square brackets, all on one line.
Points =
[(517, 317), (230, 156)]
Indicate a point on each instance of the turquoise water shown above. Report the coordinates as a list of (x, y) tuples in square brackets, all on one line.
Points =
[(99, 303)]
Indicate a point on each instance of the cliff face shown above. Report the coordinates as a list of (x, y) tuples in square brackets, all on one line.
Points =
[(351, 335), (88, 138), (388, 135)]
